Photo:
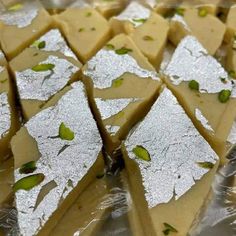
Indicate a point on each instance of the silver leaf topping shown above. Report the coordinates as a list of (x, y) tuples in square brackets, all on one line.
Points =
[(232, 136), (41, 85), (65, 169), (175, 147), (134, 13), (191, 61), (205, 123), (22, 17), (110, 107), (1, 69), (5, 115), (180, 19), (55, 42), (106, 66), (112, 129)]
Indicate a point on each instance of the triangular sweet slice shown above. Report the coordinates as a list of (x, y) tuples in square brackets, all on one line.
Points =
[(28, 20), (8, 114), (122, 86), (230, 23), (39, 75), (231, 57), (208, 29), (53, 41), (85, 30), (57, 154), (170, 169), (202, 86)]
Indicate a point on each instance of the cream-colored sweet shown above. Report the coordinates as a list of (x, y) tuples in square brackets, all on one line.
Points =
[(170, 169), (36, 84), (124, 87), (85, 30), (231, 57), (109, 8), (151, 38), (208, 29), (85, 216), (133, 16), (20, 25), (6, 181), (65, 151), (197, 79), (230, 23), (8, 117)]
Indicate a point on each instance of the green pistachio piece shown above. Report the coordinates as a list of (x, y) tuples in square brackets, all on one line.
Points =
[(43, 67), (224, 95), (141, 153), (16, 7), (110, 46), (123, 50), (28, 168), (202, 12), (169, 229), (180, 11), (148, 38), (194, 85), (141, 20), (28, 182), (88, 14), (206, 165), (117, 82), (66, 133)]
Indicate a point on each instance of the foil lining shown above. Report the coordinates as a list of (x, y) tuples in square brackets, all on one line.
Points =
[(54, 41), (22, 17), (203, 120), (111, 107), (175, 148), (180, 19), (1, 69), (112, 129), (5, 114), (107, 66), (191, 61), (42, 85), (134, 13), (65, 166)]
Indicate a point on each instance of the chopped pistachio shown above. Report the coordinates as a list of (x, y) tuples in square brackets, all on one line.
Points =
[(169, 229), (232, 74), (28, 168), (110, 46), (42, 45), (66, 133), (88, 14), (3, 81), (224, 95), (180, 11), (141, 20), (223, 80), (93, 29), (148, 38), (194, 85), (43, 67), (202, 12), (123, 50), (81, 29), (16, 7), (117, 82), (141, 153), (28, 182), (100, 175), (206, 165)]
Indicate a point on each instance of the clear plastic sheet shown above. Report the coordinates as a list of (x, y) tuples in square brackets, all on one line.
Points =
[(110, 207)]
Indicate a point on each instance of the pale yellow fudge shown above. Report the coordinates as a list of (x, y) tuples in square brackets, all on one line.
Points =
[(6, 181), (122, 86), (86, 215), (208, 29), (231, 58), (39, 75), (8, 114), (56, 156), (134, 15), (85, 30), (20, 25), (109, 8), (151, 38), (230, 24), (170, 170), (205, 90)]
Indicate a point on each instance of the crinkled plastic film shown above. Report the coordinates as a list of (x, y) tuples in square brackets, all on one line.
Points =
[(111, 201)]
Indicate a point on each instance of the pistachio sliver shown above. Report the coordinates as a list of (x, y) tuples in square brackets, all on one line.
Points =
[(65, 133), (117, 82), (202, 12), (194, 85), (169, 229), (27, 168), (123, 50), (16, 7), (141, 153), (140, 20), (28, 182), (110, 46), (206, 165), (224, 95), (43, 67)]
